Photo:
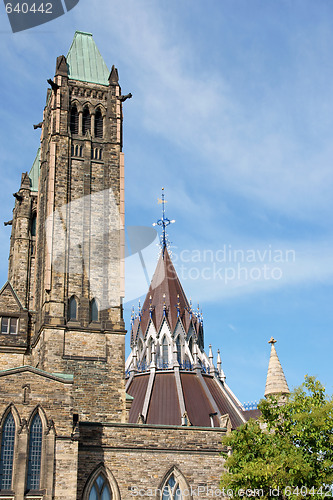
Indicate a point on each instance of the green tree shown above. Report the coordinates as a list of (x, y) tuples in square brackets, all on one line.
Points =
[(288, 449)]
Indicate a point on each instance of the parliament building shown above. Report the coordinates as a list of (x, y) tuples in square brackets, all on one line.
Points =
[(77, 420)]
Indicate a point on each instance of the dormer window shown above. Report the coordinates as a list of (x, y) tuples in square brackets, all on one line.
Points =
[(9, 325)]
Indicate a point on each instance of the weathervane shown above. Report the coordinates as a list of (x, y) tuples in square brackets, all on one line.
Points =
[(163, 222)]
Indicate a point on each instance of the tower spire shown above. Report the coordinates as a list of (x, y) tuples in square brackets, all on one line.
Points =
[(276, 383), (163, 222)]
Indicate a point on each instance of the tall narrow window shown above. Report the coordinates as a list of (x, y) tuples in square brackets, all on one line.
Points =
[(33, 224), (35, 453), (171, 490), (190, 345), (72, 308), (7, 452), (98, 124), (86, 121), (179, 350), (150, 349), (165, 352), (100, 489), (74, 120), (93, 310)]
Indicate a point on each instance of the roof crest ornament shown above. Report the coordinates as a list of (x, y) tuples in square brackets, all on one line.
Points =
[(164, 222)]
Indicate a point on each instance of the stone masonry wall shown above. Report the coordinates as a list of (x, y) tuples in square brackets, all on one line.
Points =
[(140, 456)]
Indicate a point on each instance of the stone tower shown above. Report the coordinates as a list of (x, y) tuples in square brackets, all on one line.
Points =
[(67, 245), (276, 383)]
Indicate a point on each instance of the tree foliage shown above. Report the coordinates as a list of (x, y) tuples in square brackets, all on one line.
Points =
[(288, 449)]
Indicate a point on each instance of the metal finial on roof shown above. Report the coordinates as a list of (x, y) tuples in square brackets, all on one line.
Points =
[(164, 305), (190, 309), (150, 307), (139, 310), (163, 222), (178, 305), (132, 317)]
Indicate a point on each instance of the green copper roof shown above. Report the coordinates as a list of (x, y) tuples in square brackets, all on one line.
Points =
[(85, 62), (34, 172)]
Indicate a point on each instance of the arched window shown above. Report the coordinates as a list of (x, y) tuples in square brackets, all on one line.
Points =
[(171, 490), (190, 345), (7, 452), (165, 352), (140, 349), (150, 349), (74, 120), (72, 308), (98, 124), (93, 310), (179, 350), (86, 121), (100, 489), (33, 224), (35, 453)]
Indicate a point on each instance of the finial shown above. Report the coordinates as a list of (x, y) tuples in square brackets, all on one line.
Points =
[(164, 304), (178, 305), (139, 310), (132, 317), (164, 222), (150, 306), (272, 341)]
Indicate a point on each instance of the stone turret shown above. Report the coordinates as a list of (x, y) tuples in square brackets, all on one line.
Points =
[(276, 384)]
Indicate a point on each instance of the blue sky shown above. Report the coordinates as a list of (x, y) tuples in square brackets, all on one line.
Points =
[(232, 113)]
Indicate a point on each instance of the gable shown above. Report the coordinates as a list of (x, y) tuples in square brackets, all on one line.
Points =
[(9, 301)]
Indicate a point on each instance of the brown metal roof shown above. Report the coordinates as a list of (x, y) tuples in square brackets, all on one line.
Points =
[(247, 414), (223, 404), (197, 404), (164, 405), (137, 389), (165, 282)]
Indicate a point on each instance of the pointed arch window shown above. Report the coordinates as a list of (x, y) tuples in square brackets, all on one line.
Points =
[(74, 120), (150, 349), (190, 345), (35, 453), (33, 224), (140, 348), (72, 308), (98, 124), (171, 490), (165, 352), (179, 350), (100, 489), (7, 452), (93, 310), (86, 121)]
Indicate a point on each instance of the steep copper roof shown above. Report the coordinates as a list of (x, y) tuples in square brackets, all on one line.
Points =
[(138, 391), (223, 403), (164, 407), (197, 404), (247, 414), (165, 292)]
